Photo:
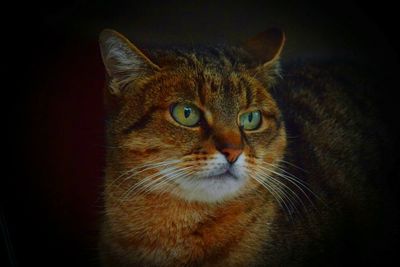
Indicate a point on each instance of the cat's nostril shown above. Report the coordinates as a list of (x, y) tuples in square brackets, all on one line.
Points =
[(231, 154)]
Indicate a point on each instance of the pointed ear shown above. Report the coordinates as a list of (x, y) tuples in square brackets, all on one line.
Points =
[(266, 48), (123, 61)]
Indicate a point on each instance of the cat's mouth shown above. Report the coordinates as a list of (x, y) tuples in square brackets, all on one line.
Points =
[(226, 174), (217, 184)]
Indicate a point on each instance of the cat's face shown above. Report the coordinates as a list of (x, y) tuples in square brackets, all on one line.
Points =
[(202, 132)]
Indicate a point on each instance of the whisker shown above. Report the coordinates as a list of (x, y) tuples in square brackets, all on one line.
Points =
[(147, 182), (183, 175), (142, 168), (136, 186), (143, 184), (149, 166), (281, 202), (293, 181), (165, 178), (286, 191), (293, 165), (291, 176)]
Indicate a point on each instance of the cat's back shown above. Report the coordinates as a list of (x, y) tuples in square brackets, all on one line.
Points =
[(337, 137), (332, 108)]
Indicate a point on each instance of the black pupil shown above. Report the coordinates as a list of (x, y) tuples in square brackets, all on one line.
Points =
[(187, 111), (250, 118)]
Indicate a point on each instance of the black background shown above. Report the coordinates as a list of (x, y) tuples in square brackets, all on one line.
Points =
[(52, 98)]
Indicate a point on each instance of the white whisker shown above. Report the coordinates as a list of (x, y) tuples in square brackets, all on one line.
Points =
[(164, 179), (293, 181), (145, 185), (275, 194), (183, 175), (293, 165), (286, 191), (142, 167)]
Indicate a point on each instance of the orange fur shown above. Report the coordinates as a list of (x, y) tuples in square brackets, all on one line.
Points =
[(160, 227)]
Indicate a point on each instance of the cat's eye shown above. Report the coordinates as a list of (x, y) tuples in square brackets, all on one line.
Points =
[(186, 114), (250, 120)]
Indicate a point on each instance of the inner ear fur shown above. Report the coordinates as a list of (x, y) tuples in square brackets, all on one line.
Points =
[(266, 47), (123, 61)]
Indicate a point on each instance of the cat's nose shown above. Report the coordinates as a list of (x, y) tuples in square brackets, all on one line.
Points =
[(229, 143), (231, 154)]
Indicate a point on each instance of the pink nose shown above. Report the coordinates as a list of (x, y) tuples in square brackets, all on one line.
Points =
[(231, 154)]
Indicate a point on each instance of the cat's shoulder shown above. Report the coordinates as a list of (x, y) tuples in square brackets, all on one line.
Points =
[(330, 80)]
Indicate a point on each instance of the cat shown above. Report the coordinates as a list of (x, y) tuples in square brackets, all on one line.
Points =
[(218, 156)]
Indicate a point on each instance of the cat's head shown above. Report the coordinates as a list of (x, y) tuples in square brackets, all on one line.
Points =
[(200, 125)]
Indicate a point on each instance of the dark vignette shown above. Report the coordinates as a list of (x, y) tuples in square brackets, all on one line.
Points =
[(52, 100)]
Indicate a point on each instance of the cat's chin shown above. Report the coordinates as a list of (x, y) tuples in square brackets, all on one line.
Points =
[(211, 189), (226, 175)]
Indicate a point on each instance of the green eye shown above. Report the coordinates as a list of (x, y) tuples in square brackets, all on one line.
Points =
[(250, 120), (186, 114)]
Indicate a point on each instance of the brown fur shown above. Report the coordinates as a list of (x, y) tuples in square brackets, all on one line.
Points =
[(161, 229), (256, 225)]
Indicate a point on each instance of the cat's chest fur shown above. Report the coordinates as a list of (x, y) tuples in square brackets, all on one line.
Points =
[(163, 231)]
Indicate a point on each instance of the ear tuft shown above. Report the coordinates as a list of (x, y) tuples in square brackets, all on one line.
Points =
[(123, 61), (266, 48)]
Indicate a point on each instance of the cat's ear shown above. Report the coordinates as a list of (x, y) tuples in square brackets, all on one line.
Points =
[(266, 48), (123, 61)]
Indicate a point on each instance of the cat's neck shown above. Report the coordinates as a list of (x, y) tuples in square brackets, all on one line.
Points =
[(170, 224), (173, 210)]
